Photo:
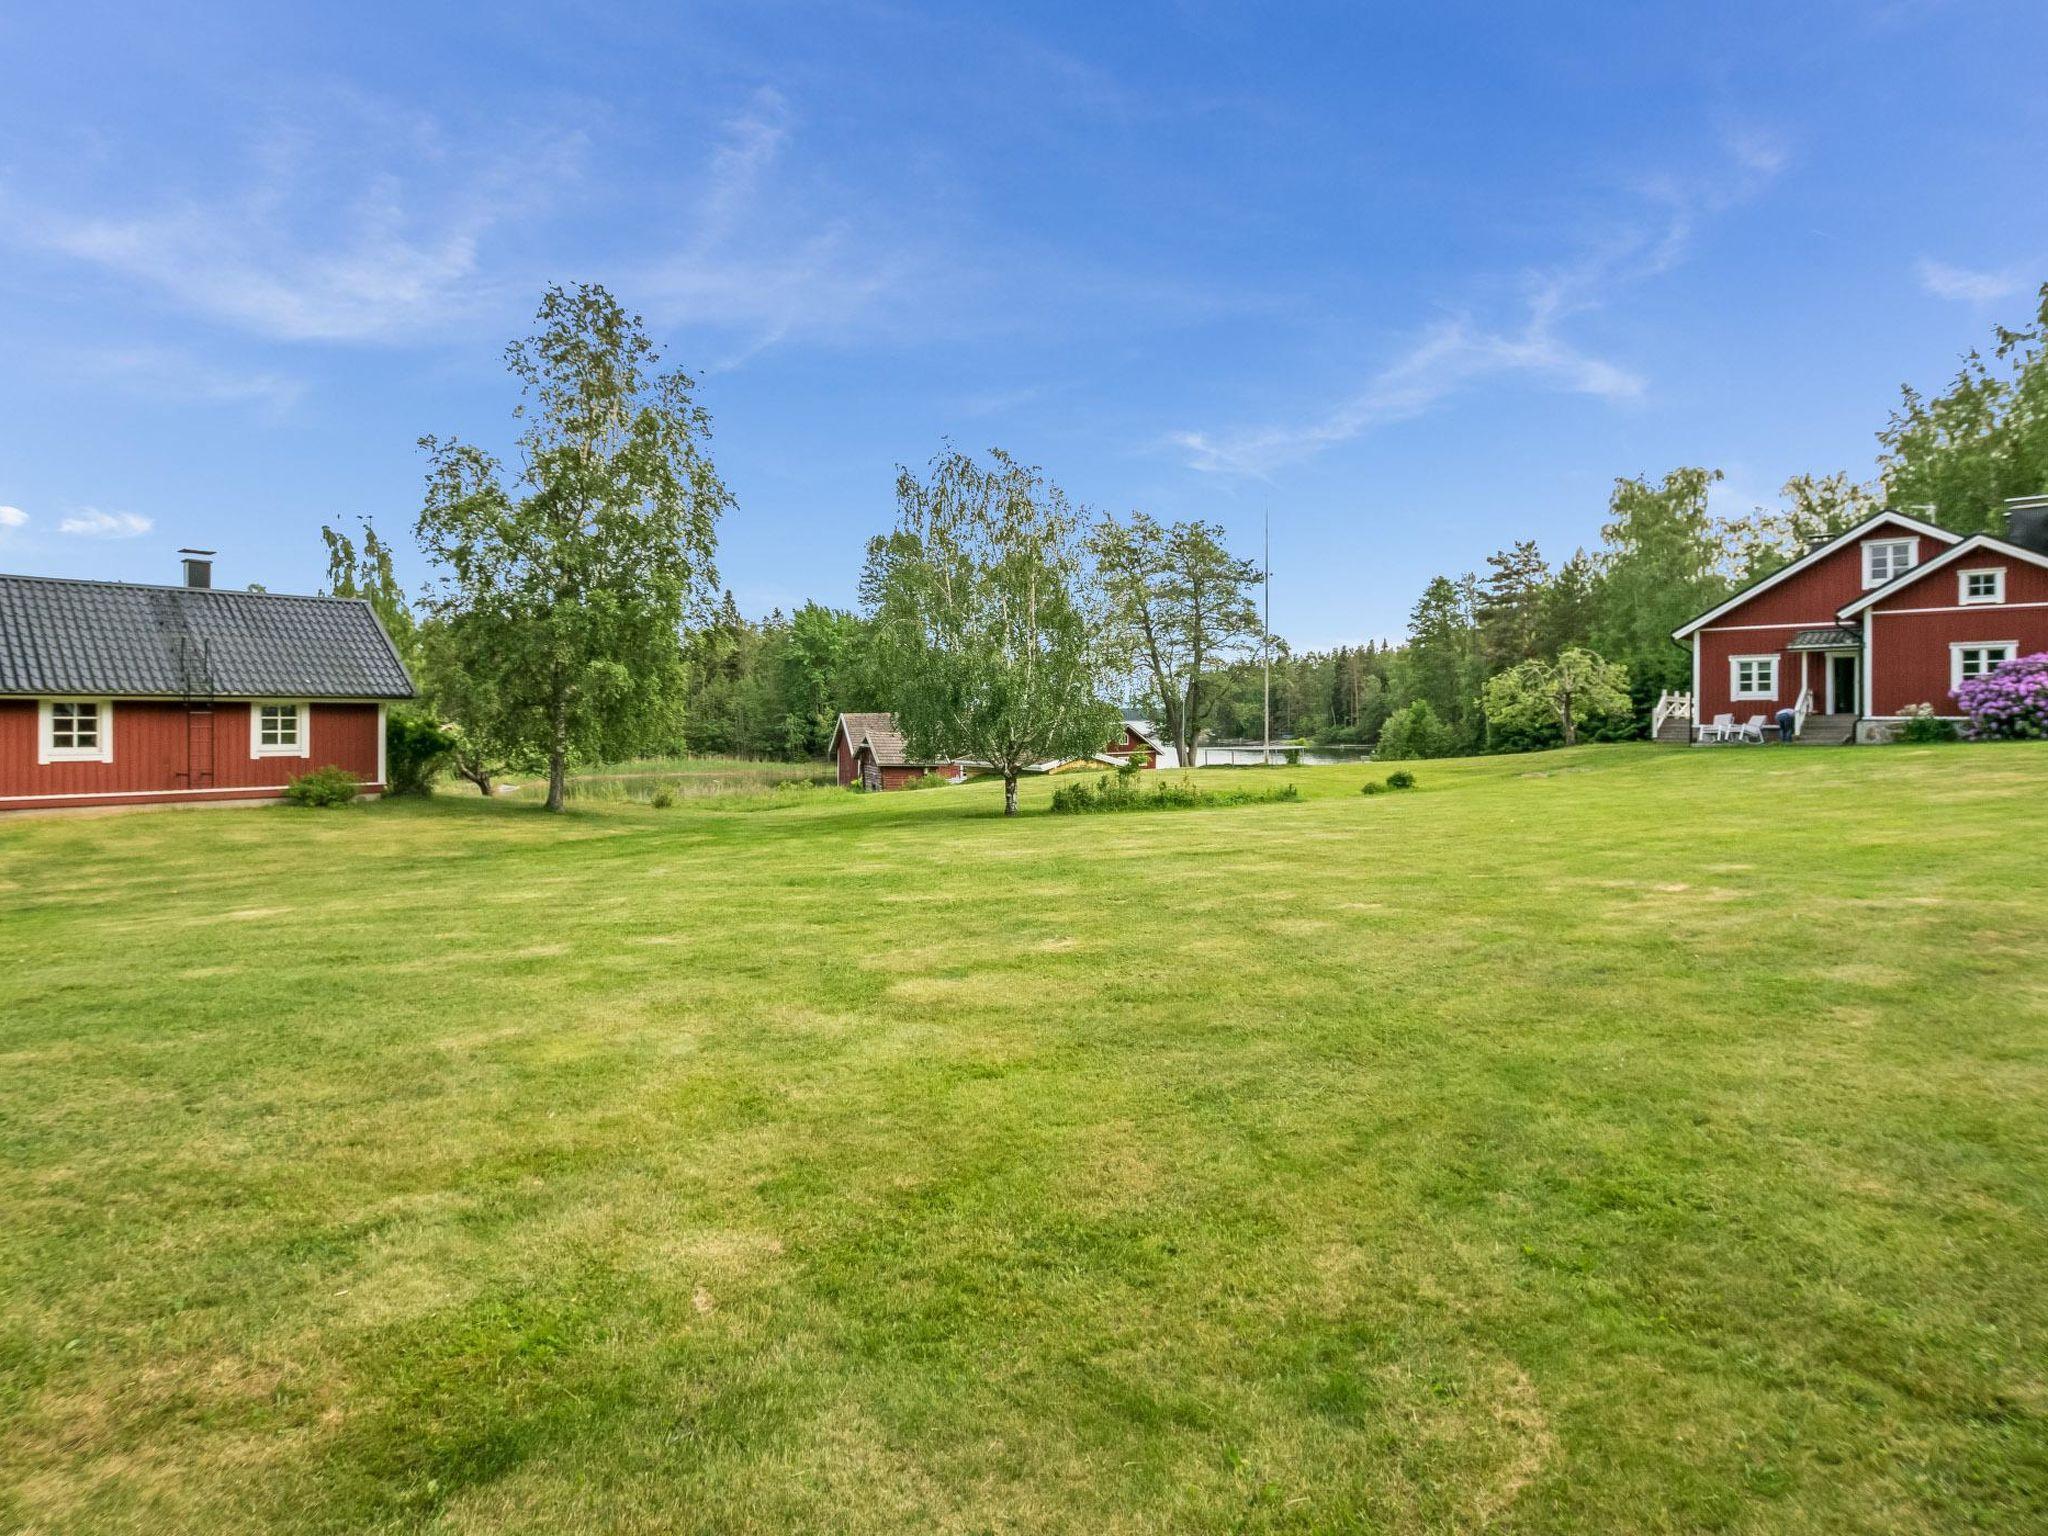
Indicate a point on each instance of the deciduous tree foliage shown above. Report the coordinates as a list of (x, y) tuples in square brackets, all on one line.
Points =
[(1815, 508), (1957, 456), (366, 570), (564, 592), (1415, 732), (416, 745), (988, 621), (1183, 606), (1664, 562), (1574, 688)]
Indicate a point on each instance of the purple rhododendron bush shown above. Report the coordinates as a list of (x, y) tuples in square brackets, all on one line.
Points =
[(2010, 702)]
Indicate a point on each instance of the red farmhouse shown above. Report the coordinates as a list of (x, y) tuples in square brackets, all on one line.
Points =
[(870, 750), (113, 693), (1892, 615)]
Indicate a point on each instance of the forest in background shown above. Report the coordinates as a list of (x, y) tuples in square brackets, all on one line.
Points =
[(772, 687)]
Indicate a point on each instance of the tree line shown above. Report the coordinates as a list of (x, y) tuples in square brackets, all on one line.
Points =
[(575, 614)]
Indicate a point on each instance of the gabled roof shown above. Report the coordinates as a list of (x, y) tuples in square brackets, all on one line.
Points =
[(1955, 552), (1145, 731), (877, 732), (1812, 556), (124, 639)]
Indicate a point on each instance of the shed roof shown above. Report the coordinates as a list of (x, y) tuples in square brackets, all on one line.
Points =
[(878, 731), (126, 639)]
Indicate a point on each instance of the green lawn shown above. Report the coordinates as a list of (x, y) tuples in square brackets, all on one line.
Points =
[(1614, 1140)]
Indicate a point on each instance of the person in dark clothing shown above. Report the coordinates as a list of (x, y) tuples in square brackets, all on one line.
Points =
[(1788, 725)]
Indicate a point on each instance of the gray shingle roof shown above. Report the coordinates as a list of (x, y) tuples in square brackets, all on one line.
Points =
[(1825, 640), (119, 638)]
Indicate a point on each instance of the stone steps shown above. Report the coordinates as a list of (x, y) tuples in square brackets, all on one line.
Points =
[(1827, 731)]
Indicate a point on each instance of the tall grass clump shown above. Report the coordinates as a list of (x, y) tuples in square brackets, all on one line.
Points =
[(1119, 791)]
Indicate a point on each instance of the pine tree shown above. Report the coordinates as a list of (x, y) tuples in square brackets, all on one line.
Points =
[(1511, 605)]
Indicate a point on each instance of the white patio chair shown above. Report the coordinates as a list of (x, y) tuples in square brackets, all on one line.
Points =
[(1720, 728), (1752, 729)]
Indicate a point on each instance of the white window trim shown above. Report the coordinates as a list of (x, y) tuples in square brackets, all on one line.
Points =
[(1735, 678), (1812, 557), (1997, 575), (45, 730), (304, 746), (1912, 559), (1955, 657)]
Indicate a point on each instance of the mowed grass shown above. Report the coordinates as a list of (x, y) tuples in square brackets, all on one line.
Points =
[(1612, 1140)]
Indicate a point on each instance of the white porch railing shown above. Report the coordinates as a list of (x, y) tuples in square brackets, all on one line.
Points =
[(1670, 706), (1801, 710)]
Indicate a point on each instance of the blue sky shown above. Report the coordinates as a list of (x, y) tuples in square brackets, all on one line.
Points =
[(1418, 280)]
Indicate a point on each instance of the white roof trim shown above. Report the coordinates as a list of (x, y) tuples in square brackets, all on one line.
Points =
[(1840, 541), (1954, 552)]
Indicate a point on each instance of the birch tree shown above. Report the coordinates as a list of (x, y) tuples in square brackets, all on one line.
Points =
[(1184, 608), (987, 623), (564, 591)]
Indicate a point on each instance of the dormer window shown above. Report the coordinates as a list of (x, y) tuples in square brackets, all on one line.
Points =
[(1986, 586), (1888, 559)]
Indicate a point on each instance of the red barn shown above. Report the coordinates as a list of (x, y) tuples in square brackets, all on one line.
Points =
[(1893, 614), (114, 693)]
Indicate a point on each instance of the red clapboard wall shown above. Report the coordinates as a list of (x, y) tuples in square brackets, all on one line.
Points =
[(172, 751)]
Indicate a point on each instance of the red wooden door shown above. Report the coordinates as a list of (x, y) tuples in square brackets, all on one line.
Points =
[(199, 748)]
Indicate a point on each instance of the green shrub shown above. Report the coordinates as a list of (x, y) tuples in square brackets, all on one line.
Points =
[(1919, 725), (416, 748), (323, 787), (1120, 792), (928, 780), (1415, 732), (663, 798), (1371, 787), (1400, 778)]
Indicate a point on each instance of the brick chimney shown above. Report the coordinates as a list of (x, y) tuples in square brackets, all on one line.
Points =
[(198, 567)]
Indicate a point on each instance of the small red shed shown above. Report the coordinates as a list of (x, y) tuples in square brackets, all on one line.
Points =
[(870, 750), (117, 693)]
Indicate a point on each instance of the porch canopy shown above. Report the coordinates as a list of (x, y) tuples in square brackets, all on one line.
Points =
[(1827, 640)]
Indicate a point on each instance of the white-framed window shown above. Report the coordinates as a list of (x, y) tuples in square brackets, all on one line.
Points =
[(1986, 586), (1753, 677), (1886, 559), (277, 728), (75, 731), (1973, 658)]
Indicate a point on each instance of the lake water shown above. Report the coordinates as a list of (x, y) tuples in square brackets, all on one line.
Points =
[(1240, 755)]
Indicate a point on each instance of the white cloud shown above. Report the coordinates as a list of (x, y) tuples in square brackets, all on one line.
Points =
[(1461, 351), (1450, 355), (13, 517), (759, 257), (91, 523), (1947, 282), (353, 222), (166, 374)]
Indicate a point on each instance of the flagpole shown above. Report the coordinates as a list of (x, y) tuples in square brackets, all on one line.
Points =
[(1266, 644)]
